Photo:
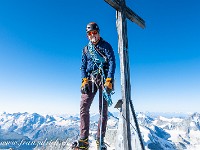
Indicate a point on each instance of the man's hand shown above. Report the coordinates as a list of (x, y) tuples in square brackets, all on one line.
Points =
[(108, 85), (84, 86)]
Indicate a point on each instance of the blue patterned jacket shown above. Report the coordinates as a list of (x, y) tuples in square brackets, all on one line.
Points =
[(87, 64)]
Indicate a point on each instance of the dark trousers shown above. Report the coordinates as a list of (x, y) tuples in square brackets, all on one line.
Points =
[(86, 101)]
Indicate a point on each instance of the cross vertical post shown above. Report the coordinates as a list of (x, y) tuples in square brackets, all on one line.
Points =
[(121, 24), (123, 12)]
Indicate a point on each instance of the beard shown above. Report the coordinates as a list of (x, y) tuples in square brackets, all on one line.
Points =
[(94, 40)]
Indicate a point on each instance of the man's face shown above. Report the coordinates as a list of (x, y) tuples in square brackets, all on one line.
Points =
[(93, 36)]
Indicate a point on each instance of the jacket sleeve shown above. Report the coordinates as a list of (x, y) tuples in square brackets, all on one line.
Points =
[(83, 64), (111, 60)]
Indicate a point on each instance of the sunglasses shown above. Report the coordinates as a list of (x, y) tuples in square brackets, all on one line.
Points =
[(92, 32)]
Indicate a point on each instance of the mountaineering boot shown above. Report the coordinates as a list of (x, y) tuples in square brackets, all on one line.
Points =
[(101, 146), (82, 144)]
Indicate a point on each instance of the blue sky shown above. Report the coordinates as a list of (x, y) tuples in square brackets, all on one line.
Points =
[(40, 54)]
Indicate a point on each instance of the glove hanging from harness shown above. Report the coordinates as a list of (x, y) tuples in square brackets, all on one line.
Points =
[(108, 85), (85, 86)]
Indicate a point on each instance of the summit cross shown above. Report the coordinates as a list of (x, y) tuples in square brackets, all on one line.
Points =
[(123, 12)]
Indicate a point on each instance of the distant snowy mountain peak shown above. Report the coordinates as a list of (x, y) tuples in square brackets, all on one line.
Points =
[(166, 132), (195, 117), (144, 119)]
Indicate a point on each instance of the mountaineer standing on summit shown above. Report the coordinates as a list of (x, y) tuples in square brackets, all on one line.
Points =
[(97, 69)]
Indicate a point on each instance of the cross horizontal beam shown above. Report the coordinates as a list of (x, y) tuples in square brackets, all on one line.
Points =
[(129, 13)]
